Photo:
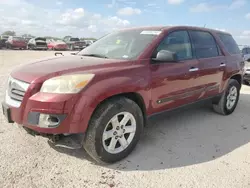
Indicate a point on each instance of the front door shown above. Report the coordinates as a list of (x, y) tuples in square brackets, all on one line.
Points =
[(174, 83)]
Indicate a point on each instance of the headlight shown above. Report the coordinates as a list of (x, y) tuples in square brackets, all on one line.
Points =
[(67, 83)]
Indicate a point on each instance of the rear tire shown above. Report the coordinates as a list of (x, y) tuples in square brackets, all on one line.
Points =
[(108, 140), (229, 98), (246, 82)]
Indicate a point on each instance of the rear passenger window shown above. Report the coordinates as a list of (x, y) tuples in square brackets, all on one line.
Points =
[(229, 43), (204, 44), (178, 42)]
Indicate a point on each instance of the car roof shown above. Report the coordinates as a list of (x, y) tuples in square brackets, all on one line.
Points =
[(165, 28)]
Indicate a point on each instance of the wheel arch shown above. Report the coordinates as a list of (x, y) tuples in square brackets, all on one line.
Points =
[(238, 78), (134, 96)]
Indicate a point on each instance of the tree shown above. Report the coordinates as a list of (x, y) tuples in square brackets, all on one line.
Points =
[(10, 33)]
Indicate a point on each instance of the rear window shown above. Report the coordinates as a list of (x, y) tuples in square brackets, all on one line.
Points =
[(204, 44), (229, 43)]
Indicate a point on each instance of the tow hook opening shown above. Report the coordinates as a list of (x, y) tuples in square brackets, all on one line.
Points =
[(52, 137)]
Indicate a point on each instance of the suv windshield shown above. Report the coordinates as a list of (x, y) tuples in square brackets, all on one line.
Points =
[(127, 44), (74, 39)]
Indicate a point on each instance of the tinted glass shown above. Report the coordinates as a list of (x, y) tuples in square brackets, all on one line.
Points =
[(244, 51), (229, 43), (177, 42), (248, 50), (74, 39), (204, 44)]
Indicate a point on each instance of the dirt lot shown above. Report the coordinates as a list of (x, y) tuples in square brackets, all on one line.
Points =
[(191, 147)]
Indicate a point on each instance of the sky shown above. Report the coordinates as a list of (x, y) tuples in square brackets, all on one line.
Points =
[(94, 18)]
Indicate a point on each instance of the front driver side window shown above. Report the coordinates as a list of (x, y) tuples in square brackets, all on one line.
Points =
[(178, 42)]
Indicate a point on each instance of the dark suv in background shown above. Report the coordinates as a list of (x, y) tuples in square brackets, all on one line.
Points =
[(75, 43), (246, 57), (109, 89)]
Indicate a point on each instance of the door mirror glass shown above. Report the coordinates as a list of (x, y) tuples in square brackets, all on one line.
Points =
[(165, 56)]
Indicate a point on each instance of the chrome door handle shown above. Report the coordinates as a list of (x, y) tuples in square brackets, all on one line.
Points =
[(222, 65), (193, 69)]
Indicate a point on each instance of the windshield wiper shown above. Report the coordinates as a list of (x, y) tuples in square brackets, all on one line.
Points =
[(95, 55)]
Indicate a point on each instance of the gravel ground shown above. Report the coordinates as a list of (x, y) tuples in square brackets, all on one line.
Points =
[(192, 147)]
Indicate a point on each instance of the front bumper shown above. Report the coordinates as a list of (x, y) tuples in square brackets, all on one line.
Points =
[(60, 48), (79, 47), (71, 110), (41, 47)]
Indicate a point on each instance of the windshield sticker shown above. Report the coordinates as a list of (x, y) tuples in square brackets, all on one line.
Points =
[(150, 32), (118, 41)]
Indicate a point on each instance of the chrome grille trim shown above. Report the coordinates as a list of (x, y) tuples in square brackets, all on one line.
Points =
[(15, 92)]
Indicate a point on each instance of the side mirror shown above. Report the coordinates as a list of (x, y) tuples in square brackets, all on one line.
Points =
[(165, 56), (59, 53)]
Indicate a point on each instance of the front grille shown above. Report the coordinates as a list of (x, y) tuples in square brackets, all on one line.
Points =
[(17, 94), (41, 44), (16, 89)]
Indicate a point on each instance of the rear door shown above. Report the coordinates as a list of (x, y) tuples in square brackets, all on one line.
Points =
[(211, 62)]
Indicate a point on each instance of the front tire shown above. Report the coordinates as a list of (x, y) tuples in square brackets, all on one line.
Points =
[(114, 130), (229, 98)]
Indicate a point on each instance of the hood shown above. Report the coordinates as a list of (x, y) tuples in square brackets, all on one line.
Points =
[(46, 68)]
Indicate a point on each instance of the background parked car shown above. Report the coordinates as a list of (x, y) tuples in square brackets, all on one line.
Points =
[(27, 39), (56, 45), (75, 43), (89, 42), (15, 42), (3, 39), (246, 53), (38, 43)]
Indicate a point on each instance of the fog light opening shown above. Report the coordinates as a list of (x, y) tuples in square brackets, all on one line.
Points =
[(53, 120), (48, 121)]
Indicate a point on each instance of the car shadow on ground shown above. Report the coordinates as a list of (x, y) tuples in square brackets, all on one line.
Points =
[(183, 137)]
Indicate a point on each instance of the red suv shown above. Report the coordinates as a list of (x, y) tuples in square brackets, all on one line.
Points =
[(109, 89), (16, 42)]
